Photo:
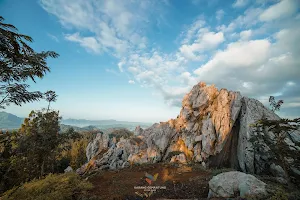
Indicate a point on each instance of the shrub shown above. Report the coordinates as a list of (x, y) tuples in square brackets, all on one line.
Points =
[(52, 187)]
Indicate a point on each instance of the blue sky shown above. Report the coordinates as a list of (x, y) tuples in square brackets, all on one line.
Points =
[(134, 60)]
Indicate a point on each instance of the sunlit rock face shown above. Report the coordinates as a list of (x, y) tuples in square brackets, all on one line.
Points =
[(213, 128)]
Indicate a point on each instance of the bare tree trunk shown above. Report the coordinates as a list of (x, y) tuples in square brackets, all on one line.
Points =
[(48, 107)]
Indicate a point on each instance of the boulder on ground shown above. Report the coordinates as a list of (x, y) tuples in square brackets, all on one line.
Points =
[(68, 169), (233, 184)]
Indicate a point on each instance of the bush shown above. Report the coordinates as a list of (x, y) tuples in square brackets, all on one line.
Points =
[(52, 187)]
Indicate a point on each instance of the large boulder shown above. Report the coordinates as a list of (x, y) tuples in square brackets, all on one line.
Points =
[(214, 128), (234, 184)]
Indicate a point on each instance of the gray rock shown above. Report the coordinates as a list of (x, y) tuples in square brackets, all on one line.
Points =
[(233, 184), (252, 111), (100, 142), (104, 167), (138, 131), (295, 136), (295, 171), (213, 128), (281, 180), (68, 169), (277, 171)]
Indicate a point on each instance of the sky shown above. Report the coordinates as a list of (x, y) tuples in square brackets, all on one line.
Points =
[(135, 60)]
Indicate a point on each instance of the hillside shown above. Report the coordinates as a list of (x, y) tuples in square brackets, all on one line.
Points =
[(104, 124), (10, 121)]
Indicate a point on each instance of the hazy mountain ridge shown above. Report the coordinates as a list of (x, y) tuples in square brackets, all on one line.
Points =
[(85, 122), (10, 121)]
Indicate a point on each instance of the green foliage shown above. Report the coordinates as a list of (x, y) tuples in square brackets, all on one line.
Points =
[(118, 133), (18, 63), (78, 157), (72, 149), (279, 149), (41, 139), (30, 152), (280, 194), (275, 105), (53, 187)]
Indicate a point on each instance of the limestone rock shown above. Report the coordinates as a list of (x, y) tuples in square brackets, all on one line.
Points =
[(277, 171), (68, 169), (212, 128), (138, 131), (233, 184), (100, 142), (252, 111)]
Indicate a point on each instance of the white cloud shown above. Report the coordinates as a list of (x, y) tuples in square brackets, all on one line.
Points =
[(131, 82), (245, 35), (192, 30), (237, 55), (53, 37), (113, 26), (284, 8), (249, 18), (219, 14), (204, 42), (89, 43), (120, 65), (241, 54), (240, 3)]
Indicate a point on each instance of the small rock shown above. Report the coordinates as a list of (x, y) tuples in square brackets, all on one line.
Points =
[(68, 169), (277, 170)]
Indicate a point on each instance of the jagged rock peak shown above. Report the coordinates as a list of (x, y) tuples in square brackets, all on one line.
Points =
[(213, 128)]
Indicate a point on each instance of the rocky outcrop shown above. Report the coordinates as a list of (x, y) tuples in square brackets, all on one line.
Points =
[(236, 184), (214, 128)]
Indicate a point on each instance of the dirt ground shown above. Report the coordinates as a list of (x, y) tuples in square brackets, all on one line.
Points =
[(173, 182)]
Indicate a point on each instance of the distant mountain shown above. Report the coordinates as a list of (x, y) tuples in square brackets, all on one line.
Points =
[(64, 128), (10, 121), (104, 124)]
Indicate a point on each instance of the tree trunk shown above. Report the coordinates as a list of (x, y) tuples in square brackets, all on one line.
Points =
[(48, 107)]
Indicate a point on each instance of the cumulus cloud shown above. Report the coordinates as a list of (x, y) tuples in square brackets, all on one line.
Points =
[(205, 41), (245, 35), (258, 68), (240, 3), (282, 9), (249, 18), (256, 53)]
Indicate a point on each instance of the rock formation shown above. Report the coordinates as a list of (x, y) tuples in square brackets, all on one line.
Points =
[(232, 184), (213, 128)]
